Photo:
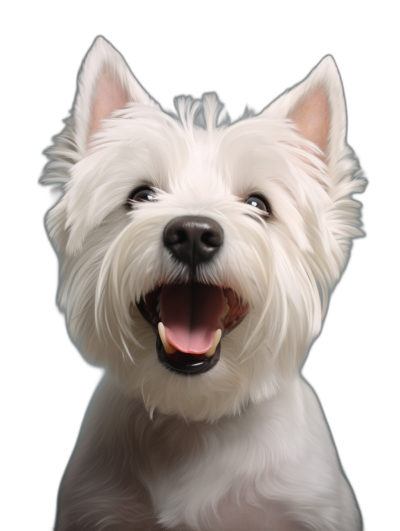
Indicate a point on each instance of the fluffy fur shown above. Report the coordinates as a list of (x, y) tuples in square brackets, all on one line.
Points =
[(245, 445)]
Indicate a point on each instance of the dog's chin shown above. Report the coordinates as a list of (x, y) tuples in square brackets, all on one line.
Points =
[(189, 321)]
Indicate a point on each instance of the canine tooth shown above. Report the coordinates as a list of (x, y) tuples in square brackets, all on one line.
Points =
[(169, 349), (215, 342)]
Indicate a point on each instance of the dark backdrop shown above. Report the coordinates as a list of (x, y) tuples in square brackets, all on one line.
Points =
[(248, 63)]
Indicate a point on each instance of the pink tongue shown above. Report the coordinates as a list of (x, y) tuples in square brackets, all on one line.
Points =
[(191, 315)]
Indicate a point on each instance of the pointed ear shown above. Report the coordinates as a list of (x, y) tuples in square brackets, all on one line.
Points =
[(317, 107), (105, 84)]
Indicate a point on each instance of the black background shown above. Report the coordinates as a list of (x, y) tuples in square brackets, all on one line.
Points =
[(247, 63)]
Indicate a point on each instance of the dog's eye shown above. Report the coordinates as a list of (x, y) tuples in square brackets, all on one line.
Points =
[(259, 202), (140, 195)]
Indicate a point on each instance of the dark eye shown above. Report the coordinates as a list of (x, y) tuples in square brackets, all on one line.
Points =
[(142, 194), (259, 202)]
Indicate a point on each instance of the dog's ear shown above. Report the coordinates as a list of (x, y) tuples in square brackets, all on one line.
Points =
[(105, 85), (317, 107)]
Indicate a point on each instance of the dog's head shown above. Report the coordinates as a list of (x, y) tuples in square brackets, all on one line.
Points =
[(197, 256)]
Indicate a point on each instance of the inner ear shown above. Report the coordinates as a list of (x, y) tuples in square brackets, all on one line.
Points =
[(313, 117), (109, 96)]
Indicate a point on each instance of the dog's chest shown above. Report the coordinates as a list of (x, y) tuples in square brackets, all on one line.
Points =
[(229, 513), (222, 484)]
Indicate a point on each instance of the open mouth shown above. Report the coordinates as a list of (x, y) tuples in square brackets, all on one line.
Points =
[(189, 321)]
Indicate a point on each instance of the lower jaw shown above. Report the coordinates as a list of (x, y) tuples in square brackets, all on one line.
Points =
[(198, 365)]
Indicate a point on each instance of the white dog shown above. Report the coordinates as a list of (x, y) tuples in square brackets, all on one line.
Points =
[(197, 258)]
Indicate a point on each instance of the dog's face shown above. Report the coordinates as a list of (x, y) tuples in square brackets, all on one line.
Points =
[(197, 256)]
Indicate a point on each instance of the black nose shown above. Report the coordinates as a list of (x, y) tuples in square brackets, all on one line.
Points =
[(193, 239)]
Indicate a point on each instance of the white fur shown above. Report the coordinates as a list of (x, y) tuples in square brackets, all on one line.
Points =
[(244, 444)]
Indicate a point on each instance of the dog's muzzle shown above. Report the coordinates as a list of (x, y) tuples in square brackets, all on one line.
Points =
[(190, 319)]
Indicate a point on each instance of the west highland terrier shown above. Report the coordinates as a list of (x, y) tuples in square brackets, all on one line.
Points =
[(197, 257)]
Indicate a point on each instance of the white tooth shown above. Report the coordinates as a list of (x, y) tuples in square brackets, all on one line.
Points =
[(169, 349), (215, 342)]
